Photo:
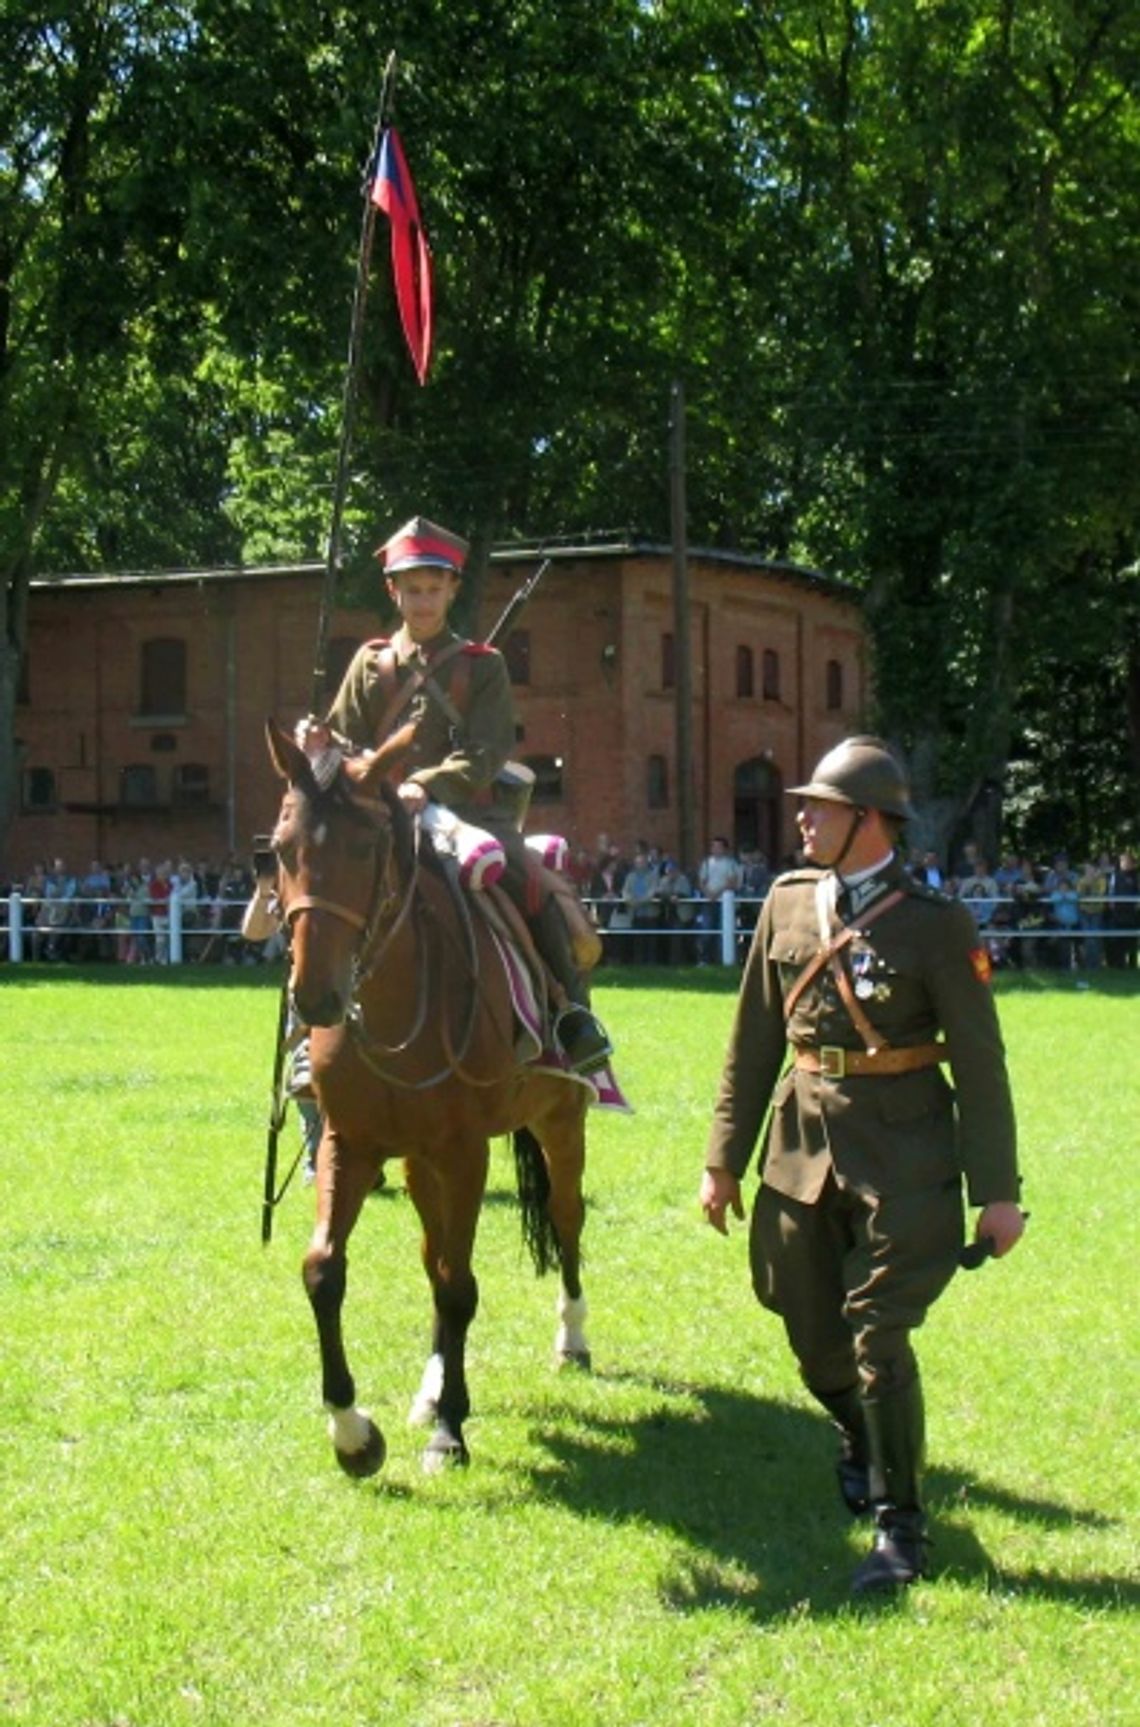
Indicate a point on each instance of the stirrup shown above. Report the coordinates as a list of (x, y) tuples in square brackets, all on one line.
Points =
[(581, 1039)]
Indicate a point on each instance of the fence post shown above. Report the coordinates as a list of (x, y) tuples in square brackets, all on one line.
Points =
[(728, 927), (15, 927), (174, 907)]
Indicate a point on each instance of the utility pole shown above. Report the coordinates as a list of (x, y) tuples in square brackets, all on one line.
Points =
[(682, 650)]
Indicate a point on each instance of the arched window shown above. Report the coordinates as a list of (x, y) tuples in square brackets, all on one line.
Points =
[(162, 678), (744, 672), (38, 789), (771, 675), (657, 783), (191, 784), (139, 786), (547, 771), (833, 683), (516, 652)]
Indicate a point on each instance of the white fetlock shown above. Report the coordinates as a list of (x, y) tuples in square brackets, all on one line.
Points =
[(425, 1404), (570, 1339), (351, 1430)]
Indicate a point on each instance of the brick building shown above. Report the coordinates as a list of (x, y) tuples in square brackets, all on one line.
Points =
[(140, 724)]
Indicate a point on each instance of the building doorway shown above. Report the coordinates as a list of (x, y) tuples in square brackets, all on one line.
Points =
[(757, 809)]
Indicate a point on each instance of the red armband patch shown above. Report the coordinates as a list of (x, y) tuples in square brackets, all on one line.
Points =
[(982, 964)]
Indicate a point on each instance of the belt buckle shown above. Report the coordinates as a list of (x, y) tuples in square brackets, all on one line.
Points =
[(832, 1061)]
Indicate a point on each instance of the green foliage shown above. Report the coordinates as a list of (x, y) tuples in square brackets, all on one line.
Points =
[(661, 1541), (892, 252)]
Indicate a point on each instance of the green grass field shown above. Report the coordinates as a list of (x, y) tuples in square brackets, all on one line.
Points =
[(660, 1542)]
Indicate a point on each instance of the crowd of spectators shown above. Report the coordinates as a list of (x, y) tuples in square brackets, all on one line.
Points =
[(649, 907), (1067, 915), (121, 912), (1062, 914)]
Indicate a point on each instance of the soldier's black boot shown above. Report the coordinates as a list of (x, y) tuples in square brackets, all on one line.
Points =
[(580, 1037), (852, 1467), (895, 1433)]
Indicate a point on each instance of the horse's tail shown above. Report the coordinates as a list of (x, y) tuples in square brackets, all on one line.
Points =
[(533, 1180)]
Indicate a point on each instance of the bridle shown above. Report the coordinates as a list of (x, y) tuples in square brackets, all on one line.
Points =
[(378, 927)]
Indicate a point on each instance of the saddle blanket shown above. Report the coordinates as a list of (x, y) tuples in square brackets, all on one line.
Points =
[(531, 1047)]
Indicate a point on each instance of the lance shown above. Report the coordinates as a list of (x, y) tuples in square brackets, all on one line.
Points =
[(278, 1100), (348, 396)]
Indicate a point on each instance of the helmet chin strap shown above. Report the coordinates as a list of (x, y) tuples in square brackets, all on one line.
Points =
[(857, 815)]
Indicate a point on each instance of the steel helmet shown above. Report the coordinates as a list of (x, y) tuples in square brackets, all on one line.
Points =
[(862, 772)]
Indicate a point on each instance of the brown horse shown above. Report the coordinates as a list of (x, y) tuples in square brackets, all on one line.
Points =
[(413, 1056)]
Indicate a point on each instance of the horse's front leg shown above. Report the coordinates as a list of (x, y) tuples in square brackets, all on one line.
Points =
[(448, 1202), (564, 1148), (343, 1183)]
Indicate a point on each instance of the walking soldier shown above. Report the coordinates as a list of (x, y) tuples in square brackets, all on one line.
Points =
[(875, 981)]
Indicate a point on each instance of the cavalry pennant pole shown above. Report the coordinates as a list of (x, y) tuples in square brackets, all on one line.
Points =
[(388, 187)]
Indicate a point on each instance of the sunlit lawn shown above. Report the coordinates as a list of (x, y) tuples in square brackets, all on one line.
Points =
[(660, 1542)]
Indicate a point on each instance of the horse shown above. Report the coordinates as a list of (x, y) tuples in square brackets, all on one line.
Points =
[(413, 1048)]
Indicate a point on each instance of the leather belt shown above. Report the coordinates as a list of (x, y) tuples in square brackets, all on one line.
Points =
[(832, 1061)]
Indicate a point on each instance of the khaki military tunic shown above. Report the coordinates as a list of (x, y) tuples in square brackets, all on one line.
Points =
[(455, 755), (920, 974)]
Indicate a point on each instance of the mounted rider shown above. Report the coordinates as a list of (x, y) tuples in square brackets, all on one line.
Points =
[(439, 707)]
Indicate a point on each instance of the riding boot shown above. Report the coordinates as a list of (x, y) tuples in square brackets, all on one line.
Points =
[(853, 1463), (895, 1432), (581, 1038)]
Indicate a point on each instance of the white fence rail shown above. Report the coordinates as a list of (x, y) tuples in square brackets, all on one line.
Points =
[(683, 932)]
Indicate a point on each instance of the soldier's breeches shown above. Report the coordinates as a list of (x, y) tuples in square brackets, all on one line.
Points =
[(852, 1276)]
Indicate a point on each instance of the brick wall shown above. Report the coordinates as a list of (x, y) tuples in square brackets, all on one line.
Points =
[(595, 701)]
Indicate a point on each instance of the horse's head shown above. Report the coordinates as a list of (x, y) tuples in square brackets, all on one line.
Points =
[(334, 842)]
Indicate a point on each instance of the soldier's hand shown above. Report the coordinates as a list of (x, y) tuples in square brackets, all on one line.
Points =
[(312, 735), (1003, 1222), (720, 1192)]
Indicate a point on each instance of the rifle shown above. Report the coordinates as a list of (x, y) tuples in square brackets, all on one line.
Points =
[(505, 622)]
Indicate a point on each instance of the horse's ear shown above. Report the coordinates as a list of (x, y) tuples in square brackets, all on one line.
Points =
[(287, 756)]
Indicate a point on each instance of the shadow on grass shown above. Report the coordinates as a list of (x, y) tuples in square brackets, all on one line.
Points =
[(748, 1485)]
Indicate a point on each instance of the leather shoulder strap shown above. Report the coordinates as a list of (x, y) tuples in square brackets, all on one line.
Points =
[(401, 695), (832, 949)]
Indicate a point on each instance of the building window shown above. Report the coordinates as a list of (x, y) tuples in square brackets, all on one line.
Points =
[(744, 672), (771, 675), (191, 784), (162, 681), (516, 652), (668, 661), (23, 682), (833, 682), (547, 771), (37, 790), (657, 783), (139, 786)]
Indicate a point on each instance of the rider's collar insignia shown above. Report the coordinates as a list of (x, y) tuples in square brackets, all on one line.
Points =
[(860, 896)]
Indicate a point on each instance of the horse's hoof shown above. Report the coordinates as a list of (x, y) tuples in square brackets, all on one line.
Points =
[(367, 1459), (444, 1451), (578, 1359)]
